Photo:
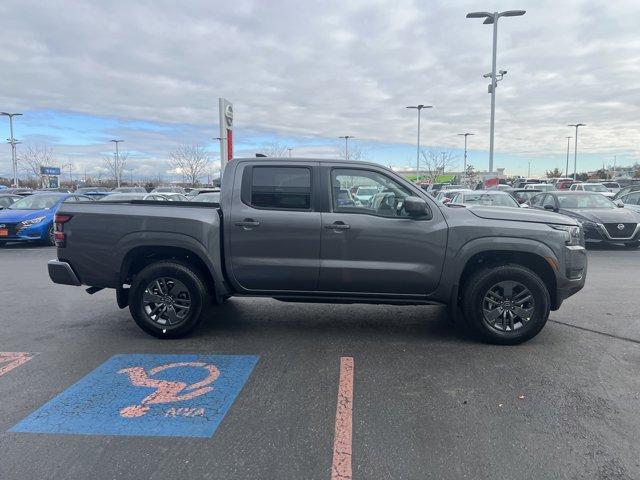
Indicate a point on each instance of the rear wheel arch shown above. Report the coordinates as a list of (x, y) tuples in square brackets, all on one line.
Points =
[(140, 257)]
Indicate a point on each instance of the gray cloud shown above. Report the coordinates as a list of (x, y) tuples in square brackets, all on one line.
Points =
[(322, 69)]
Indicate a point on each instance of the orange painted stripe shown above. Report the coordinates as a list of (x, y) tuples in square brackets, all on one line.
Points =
[(11, 360), (342, 440)]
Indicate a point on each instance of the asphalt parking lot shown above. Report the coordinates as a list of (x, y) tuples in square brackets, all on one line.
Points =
[(427, 401)]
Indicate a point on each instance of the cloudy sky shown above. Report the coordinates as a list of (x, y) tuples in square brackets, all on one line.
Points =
[(303, 73)]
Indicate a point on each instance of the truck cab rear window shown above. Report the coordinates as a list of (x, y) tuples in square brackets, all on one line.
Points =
[(281, 187)]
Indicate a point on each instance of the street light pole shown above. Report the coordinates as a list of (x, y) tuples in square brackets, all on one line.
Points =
[(566, 169), (289, 151), (465, 135), (492, 18), (13, 142), (575, 148), (419, 108), (346, 145), (117, 169)]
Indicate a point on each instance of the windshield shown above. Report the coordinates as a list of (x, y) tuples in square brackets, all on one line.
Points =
[(490, 199), (594, 188), (584, 201), (208, 197), (36, 202), (367, 191)]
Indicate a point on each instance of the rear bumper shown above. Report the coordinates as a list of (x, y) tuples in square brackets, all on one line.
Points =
[(61, 272)]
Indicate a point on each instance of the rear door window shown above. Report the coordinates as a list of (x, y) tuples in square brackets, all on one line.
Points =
[(280, 188)]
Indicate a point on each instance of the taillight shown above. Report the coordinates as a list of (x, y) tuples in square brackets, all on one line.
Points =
[(59, 235)]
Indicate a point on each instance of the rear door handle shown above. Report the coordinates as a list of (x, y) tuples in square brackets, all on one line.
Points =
[(338, 226), (248, 223)]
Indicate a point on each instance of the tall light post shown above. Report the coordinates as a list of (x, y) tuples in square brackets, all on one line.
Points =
[(419, 108), (465, 135), (492, 19), (290, 149), (13, 142), (575, 147), (346, 145), (117, 169), (566, 168)]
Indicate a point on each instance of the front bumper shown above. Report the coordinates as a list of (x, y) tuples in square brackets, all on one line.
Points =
[(599, 232), (574, 273), (61, 272), (39, 231)]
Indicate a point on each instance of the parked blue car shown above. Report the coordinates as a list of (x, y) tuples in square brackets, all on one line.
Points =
[(31, 218)]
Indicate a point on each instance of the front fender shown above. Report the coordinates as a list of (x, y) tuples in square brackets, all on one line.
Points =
[(456, 261)]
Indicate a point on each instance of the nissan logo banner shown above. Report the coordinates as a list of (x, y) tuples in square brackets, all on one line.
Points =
[(225, 108)]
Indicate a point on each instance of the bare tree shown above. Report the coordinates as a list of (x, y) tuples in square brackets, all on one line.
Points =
[(436, 163), (114, 165), (191, 161), (355, 153), (274, 149), (32, 157)]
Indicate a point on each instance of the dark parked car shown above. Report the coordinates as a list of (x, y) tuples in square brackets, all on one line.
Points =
[(7, 199), (631, 201), (601, 219), (279, 232), (625, 190)]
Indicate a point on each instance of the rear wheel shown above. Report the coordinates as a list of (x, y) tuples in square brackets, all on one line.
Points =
[(168, 299), (506, 305)]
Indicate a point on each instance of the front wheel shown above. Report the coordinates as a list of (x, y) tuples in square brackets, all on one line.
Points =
[(51, 237), (506, 305), (168, 299)]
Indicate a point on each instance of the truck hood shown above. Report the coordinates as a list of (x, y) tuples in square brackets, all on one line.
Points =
[(521, 215)]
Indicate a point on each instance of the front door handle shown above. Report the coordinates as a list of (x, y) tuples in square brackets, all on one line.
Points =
[(248, 223), (338, 226)]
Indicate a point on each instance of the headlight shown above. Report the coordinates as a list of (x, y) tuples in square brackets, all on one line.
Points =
[(33, 221), (587, 223), (572, 234)]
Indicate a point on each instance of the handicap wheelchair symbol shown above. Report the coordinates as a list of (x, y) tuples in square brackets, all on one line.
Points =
[(167, 391)]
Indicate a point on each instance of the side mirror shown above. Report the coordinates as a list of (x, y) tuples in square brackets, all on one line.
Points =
[(550, 207), (619, 203), (416, 207)]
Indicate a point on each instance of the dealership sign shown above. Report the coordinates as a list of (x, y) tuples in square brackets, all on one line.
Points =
[(49, 170), (225, 108)]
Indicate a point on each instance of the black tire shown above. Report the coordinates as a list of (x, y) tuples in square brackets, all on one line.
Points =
[(475, 296), (632, 244), (51, 239), (190, 280)]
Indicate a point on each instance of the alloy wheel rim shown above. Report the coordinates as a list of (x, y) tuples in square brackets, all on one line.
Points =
[(52, 235), (508, 306), (166, 301)]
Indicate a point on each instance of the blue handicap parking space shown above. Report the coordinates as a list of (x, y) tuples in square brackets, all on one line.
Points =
[(149, 395)]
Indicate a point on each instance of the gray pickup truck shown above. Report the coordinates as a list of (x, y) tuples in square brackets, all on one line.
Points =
[(296, 230)]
